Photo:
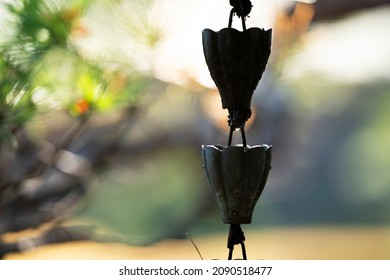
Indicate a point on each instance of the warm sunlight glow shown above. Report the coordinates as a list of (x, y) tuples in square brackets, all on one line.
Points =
[(353, 50), (181, 54)]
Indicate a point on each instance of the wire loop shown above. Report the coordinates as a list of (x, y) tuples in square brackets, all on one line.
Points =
[(241, 8), (236, 236)]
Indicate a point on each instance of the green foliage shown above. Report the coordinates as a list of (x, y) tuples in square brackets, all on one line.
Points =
[(16, 105), (39, 61), (15, 109), (364, 157), (40, 25), (150, 202), (96, 85), (33, 28), (139, 21)]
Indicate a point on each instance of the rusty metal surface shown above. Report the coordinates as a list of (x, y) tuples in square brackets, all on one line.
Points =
[(236, 61), (236, 176)]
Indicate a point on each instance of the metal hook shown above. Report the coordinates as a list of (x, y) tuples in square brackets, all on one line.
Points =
[(231, 20), (236, 120), (241, 8), (242, 130), (236, 236), (243, 136), (230, 136)]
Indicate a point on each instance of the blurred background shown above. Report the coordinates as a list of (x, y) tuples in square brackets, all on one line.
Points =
[(104, 106)]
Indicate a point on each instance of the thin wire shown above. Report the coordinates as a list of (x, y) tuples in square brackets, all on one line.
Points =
[(196, 247), (231, 18), (243, 23), (244, 256), (243, 250), (230, 253), (230, 136), (236, 236), (242, 15), (243, 137), (240, 6)]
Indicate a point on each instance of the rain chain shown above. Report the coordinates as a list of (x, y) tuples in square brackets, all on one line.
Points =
[(237, 174)]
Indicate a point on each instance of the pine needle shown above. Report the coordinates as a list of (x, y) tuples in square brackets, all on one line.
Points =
[(193, 243)]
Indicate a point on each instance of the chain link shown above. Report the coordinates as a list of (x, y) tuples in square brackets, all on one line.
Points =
[(241, 8)]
